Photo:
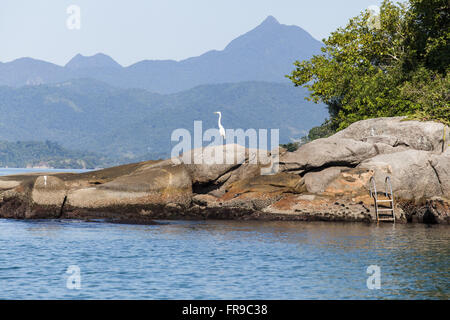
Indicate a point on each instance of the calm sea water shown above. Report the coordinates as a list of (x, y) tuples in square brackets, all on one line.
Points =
[(8, 171), (222, 260)]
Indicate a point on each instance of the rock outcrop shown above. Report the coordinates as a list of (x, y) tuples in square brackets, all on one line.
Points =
[(327, 179)]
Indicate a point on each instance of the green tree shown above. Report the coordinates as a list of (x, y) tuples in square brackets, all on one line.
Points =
[(397, 66), (429, 41)]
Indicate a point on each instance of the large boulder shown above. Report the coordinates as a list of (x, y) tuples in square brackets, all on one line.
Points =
[(398, 132), (323, 153), (160, 184), (414, 174), (214, 168), (48, 191), (365, 139), (210, 163), (441, 166), (317, 181), (123, 192), (9, 184)]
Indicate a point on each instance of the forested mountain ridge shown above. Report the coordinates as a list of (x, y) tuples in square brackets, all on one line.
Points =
[(92, 116), (22, 154)]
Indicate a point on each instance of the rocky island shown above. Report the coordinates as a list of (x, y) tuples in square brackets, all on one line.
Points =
[(326, 179)]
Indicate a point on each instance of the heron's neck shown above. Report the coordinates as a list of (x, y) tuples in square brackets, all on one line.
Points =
[(220, 117)]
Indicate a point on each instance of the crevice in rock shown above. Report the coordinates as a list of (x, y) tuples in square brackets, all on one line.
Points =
[(344, 164), (235, 167), (61, 211), (295, 170), (207, 187), (437, 176), (428, 217), (400, 143)]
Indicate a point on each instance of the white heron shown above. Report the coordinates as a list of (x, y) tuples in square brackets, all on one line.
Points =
[(221, 128)]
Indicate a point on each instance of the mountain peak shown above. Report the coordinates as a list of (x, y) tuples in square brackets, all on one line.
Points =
[(98, 60), (270, 35), (270, 20)]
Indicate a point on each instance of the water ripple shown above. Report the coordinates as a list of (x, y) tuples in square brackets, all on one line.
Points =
[(222, 260)]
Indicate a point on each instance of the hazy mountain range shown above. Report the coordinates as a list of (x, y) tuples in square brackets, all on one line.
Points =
[(265, 53), (93, 104), (89, 115)]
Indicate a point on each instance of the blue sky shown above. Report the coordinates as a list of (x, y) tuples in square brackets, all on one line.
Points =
[(134, 30)]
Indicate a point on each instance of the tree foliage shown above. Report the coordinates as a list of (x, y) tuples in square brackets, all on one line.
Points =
[(396, 66)]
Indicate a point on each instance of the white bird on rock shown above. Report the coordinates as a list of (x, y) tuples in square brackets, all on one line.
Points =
[(221, 128)]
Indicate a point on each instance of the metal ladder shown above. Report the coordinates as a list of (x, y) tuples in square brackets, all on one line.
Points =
[(384, 213)]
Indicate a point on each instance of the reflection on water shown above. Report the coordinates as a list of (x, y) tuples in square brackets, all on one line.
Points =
[(223, 260)]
